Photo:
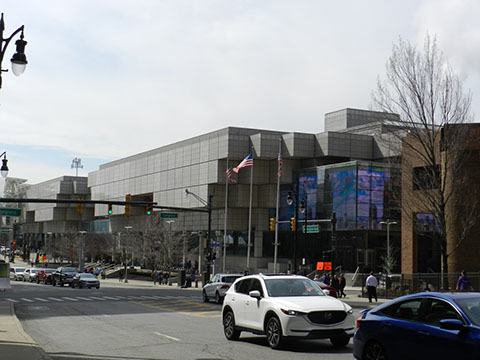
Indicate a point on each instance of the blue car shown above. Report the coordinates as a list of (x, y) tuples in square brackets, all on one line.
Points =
[(426, 325)]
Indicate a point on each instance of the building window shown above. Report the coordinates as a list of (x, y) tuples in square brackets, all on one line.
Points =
[(426, 177)]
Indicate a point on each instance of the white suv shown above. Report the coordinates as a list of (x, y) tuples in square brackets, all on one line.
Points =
[(281, 306)]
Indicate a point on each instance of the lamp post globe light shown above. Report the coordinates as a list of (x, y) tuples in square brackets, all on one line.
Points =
[(4, 169), (19, 59)]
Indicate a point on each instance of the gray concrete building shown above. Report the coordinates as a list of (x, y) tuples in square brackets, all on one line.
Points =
[(352, 137)]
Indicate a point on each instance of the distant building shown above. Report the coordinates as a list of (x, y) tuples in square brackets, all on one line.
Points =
[(341, 169)]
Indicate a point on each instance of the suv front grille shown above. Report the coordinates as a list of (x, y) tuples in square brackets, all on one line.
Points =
[(327, 317)]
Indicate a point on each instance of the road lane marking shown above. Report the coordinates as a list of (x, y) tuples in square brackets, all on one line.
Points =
[(110, 298), (11, 300), (40, 299), (83, 298), (55, 299), (168, 337), (97, 298), (69, 298), (27, 300)]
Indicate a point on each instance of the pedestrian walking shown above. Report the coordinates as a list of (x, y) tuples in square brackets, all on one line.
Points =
[(342, 284), (372, 284), (326, 279), (166, 276), (96, 272), (463, 282), (103, 274), (158, 278), (335, 283), (120, 275)]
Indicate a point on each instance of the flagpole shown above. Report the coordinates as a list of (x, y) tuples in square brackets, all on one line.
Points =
[(250, 215), (225, 221), (277, 208)]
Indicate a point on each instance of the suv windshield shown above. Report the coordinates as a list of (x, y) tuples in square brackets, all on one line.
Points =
[(292, 287), (69, 270)]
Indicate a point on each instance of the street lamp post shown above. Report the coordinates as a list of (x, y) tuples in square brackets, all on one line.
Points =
[(208, 204), (19, 60), (388, 223), (290, 201), (126, 252), (81, 255), (170, 222)]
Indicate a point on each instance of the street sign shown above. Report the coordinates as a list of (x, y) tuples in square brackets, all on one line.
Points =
[(310, 229), (305, 267), (215, 245), (10, 212), (168, 215), (6, 230)]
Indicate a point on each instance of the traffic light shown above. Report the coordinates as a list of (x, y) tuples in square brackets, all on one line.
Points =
[(110, 209), (292, 224), (148, 210), (79, 209), (272, 224), (128, 197)]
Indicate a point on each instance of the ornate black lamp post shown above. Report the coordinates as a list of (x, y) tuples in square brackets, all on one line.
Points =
[(19, 59)]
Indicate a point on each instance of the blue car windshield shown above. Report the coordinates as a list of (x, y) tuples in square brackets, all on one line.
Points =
[(471, 307), (292, 287)]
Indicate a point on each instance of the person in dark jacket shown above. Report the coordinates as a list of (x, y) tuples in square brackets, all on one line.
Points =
[(342, 284)]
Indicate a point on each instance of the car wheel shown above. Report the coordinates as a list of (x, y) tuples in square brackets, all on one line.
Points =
[(218, 298), (274, 333), (340, 342), (205, 297), (98, 286), (374, 351), (72, 285), (229, 326)]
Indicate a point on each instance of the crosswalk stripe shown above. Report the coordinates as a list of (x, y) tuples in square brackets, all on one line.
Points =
[(97, 298), (111, 298), (83, 298), (40, 299), (27, 300), (135, 297), (11, 300), (121, 297), (69, 298), (55, 299)]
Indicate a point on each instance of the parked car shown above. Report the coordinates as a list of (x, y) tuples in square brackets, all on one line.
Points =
[(63, 275), (426, 325), (219, 285), (285, 306), (45, 276), (17, 273), (31, 274), (85, 280), (327, 289)]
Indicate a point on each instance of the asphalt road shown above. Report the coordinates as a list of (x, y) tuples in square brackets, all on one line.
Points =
[(141, 323)]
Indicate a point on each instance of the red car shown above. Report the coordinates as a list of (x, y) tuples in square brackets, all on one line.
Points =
[(327, 289), (45, 276)]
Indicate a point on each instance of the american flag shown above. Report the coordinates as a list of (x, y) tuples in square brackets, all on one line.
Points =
[(280, 165), (229, 175), (247, 162)]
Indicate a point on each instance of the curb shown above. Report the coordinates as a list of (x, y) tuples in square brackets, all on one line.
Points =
[(34, 345)]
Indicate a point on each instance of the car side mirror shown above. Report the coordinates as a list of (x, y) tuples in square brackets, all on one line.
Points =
[(451, 324), (255, 294)]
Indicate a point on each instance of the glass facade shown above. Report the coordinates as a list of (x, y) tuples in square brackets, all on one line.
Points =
[(359, 193)]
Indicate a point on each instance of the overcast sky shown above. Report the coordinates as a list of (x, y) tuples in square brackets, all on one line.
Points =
[(111, 78)]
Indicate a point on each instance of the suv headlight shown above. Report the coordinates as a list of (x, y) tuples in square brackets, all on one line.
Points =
[(350, 311), (293, 312)]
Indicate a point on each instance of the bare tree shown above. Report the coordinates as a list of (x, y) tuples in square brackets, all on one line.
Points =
[(67, 246), (423, 90)]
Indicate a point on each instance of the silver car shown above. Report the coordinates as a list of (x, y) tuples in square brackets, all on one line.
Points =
[(218, 286), (17, 273), (31, 274)]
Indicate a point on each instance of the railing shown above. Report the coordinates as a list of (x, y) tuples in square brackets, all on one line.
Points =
[(396, 285)]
